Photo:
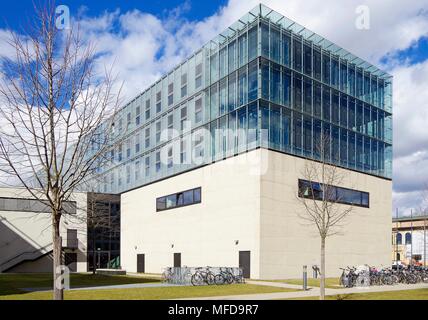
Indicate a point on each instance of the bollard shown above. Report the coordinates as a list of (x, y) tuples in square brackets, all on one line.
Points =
[(305, 278)]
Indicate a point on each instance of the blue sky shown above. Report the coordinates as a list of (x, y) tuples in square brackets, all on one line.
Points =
[(147, 38), (14, 11)]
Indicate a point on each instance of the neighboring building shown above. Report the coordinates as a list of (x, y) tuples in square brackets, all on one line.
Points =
[(409, 240), (26, 232), (245, 112)]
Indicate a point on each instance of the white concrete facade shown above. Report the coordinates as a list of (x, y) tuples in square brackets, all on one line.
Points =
[(26, 237), (249, 204)]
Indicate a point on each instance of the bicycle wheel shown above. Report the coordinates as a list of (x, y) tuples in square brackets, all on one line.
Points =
[(210, 278), (219, 279), (197, 279)]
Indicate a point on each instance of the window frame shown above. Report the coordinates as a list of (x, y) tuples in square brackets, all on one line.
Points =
[(163, 199)]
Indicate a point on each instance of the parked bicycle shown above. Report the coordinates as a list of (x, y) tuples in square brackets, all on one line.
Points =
[(371, 276)]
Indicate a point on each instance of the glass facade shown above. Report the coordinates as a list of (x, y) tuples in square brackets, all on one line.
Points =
[(265, 82)]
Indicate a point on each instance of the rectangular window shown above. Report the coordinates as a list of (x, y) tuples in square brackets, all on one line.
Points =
[(223, 62), (198, 73), (223, 96), (252, 43), (252, 82), (326, 103), (242, 87), (307, 62), (180, 199), (183, 158), (326, 68), (297, 96), (158, 131), (317, 100), (170, 159), (128, 174), (170, 94), (158, 102), (32, 205), (318, 191), (275, 80), (317, 64), (252, 124), (147, 166), (232, 56), (198, 110), (265, 39), (286, 88), (307, 96), (119, 153), (335, 72), (183, 118), (170, 126), (286, 49), (214, 67), (232, 92), (128, 149), (275, 44), (147, 139), (137, 170), (137, 116), (158, 162), (128, 120), (297, 54), (242, 50), (147, 110)]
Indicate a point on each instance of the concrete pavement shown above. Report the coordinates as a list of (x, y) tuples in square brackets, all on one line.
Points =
[(312, 292)]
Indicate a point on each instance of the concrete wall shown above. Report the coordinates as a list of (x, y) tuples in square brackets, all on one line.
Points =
[(250, 198), (288, 242), (204, 234), (29, 234)]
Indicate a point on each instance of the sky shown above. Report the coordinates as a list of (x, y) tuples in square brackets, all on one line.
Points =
[(145, 39)]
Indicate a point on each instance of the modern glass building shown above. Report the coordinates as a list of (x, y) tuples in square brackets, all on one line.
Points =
[(266, 82)]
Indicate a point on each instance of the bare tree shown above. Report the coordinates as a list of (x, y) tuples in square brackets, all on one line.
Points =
[(321, 204), (57, 114)]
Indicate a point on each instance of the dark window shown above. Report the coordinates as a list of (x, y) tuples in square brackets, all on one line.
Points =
[(318, 191), (179, 199), (32, 205), (399, 238), (408, 238)]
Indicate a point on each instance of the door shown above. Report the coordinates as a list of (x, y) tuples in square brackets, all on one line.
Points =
[(177, 260), (70, 260), (141, 263), (245, 263), (72, 242)]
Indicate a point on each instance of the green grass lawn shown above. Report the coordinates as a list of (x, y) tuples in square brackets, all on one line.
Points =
[(417, 294), (332, 283), (151, 293), (13, 283)]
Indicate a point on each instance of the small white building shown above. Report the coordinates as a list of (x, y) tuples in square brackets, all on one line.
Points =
[(26, 233)]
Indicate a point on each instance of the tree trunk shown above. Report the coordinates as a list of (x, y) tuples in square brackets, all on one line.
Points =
[(58, 287), (322, 282)]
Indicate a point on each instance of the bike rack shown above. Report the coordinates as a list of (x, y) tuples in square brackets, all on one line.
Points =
[(206, 275)]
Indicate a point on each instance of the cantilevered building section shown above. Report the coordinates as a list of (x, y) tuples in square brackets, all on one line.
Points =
[(244, 113), (263, 72)]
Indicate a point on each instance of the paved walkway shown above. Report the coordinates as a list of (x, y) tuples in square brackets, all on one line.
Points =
[(312, 292)]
